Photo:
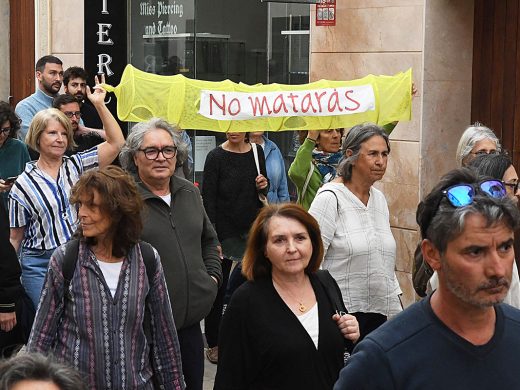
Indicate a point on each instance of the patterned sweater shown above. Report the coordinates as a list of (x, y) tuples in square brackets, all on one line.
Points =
[(103, 336)]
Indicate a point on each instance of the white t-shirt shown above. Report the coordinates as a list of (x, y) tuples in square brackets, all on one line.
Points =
[(167, 198), (310, 322), (111, 273)]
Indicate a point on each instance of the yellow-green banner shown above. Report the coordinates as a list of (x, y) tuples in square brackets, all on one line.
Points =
[(227, 106)]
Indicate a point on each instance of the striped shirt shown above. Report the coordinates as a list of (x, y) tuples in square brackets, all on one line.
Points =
[(41, 204), (103, 337), (360, 249)]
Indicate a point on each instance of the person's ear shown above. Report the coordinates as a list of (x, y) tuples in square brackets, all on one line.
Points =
[(39, 75), (431, 254), (349, 152)]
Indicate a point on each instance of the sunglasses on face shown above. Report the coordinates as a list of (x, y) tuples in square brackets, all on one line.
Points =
[(461, 195)]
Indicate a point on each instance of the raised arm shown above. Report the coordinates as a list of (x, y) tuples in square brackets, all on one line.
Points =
[(108, 150)]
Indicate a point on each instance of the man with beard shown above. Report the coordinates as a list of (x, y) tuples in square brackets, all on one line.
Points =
[(49, 73), (461, 336), (74, 83), (84, 137)]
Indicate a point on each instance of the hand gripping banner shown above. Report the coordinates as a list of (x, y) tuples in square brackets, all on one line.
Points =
[(227, 106)]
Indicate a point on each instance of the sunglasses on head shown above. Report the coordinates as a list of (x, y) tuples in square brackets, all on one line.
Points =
[(461, 195)]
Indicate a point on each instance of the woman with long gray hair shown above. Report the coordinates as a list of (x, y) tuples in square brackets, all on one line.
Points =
[(354, 221)]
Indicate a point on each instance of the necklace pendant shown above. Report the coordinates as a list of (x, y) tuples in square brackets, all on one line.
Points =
[(302, 308)]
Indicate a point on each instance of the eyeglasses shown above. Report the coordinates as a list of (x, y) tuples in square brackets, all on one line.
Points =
[(70, 114), (484, 151), (514, 186), (168, 152), (5, 130), (461, 195)]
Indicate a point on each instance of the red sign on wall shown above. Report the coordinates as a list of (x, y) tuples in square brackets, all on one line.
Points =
[(326, 13)]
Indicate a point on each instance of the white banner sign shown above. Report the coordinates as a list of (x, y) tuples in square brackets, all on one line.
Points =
[(222, 105)]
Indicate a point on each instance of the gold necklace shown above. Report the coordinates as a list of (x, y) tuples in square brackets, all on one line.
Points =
[(301, 306)]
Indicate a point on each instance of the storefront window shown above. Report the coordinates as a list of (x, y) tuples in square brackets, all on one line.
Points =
[(244, 41)]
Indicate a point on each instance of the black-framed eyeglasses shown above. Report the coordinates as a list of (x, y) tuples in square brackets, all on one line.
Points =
[(5, 130), (70, 114), (513, 186), (484, 151), (151, 153)]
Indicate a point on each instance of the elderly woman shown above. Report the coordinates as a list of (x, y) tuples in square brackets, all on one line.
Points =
[(354, 221), (104, 307), (40, 213), (315, 163), (13, 152), (230, 191), (476, 140), (176, 223), (283, 328), (497, 166)]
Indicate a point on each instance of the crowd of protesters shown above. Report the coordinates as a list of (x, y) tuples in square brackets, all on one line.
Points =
[(111, 257)]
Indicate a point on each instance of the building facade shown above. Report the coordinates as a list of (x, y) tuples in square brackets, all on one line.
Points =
[(448, 44)]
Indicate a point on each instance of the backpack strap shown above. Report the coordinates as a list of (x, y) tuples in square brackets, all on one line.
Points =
[(70, 259), (148, 259)]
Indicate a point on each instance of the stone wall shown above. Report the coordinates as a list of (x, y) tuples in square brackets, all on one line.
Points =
[(434, 38), (4, 50)]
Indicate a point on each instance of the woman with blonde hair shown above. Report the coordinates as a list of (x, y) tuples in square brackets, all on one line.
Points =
[(41, 217)]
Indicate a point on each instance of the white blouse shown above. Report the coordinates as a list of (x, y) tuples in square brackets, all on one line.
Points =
[(360, 249)]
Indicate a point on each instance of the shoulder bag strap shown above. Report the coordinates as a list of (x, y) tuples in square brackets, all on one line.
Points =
[(255, 153), (306, 184)]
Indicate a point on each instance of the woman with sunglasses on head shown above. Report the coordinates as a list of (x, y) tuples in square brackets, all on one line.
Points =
[(499, 167), (13, 152), (353, 215), (230, 189), (476, 140), (41, 217)]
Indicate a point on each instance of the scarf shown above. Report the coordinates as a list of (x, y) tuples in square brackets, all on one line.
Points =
[(326, 164)]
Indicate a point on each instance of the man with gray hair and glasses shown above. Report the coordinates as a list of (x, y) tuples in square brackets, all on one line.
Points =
[(461, 336)]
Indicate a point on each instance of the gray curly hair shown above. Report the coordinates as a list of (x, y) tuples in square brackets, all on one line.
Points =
[(135, 140)]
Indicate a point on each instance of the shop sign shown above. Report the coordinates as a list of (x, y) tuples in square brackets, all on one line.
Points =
[(326, 13)]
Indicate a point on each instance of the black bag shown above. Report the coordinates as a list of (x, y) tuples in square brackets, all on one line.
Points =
[(421, 273)]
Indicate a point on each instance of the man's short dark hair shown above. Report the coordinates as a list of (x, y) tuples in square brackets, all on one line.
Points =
[(74, 72), (40, 64), (440, 222), (33, 366), (63, 99)]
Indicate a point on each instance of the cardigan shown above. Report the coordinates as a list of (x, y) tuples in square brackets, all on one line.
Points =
[(263, 345)]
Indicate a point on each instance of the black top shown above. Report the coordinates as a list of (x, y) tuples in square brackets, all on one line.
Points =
[(10, 287), (416, 350), (263, 345), (229, 190)]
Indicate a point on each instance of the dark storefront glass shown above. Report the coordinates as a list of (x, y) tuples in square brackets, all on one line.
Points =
[(244, 41)]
